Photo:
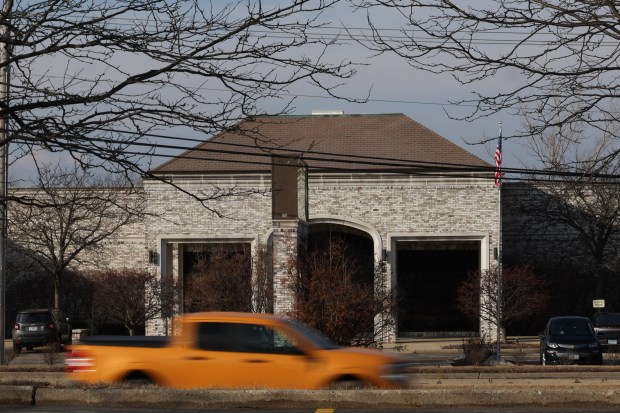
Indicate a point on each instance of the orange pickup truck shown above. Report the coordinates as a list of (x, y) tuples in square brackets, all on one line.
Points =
[(234, 350)]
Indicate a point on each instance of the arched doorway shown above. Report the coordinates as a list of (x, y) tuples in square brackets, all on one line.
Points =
[(358, 244), (343, 258)]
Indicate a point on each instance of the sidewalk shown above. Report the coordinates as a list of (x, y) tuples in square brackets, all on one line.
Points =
[(434, 383), (445, 351), (424, 351)]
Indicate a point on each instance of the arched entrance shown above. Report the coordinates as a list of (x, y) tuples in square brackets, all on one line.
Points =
[(343, 256), (358, 244)]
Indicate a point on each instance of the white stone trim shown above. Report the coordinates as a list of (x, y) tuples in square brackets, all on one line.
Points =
[(164, 240), (353, 223), (483, 238), (381, 180)]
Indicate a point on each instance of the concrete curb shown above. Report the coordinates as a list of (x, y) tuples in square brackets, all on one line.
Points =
[(605, 396), (16, 395)]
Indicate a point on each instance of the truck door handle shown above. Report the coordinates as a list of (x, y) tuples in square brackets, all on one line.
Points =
[(197, 358), (256, 361)]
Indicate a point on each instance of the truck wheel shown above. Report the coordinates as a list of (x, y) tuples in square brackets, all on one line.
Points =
[(347, 383), (137, 378)]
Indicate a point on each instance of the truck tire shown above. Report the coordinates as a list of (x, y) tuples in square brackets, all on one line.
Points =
[(138, 378), (347, 383)]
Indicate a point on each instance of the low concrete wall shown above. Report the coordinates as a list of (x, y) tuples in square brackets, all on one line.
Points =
[(16, 395), (604, 396)]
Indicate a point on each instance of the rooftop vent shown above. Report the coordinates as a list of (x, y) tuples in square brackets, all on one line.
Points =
[(328, 112)]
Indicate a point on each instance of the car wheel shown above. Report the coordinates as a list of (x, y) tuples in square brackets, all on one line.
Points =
[(17, 348)]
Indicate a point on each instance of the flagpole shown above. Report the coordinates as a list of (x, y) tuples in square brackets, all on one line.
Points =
[(498, 183)]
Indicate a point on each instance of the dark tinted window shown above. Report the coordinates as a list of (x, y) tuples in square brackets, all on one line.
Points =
[(571, 327), (33, 318), (246, 338), (317, 338), (608, 319)]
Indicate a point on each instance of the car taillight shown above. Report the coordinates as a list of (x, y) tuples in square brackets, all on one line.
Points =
[(51, 326), (16, 326), (79, 361)]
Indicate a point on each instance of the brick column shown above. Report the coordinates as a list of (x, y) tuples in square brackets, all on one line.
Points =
[(289, 238), (290, 227)]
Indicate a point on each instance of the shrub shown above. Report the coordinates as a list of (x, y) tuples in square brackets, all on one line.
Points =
[(477, 350), (524, 295), (331, 295)]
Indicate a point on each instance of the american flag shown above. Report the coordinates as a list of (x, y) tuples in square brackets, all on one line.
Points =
[(498, 162)]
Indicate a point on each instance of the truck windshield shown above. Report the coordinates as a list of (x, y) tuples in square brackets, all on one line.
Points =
[(316, 337)]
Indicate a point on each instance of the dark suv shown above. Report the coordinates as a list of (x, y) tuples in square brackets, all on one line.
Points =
[(40, 327), (607, 327)]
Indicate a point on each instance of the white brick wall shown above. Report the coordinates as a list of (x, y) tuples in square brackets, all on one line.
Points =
[(126, 248), (386, 204)]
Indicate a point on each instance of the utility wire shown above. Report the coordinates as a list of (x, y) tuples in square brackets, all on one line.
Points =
[(372, 160), (394, 165), (301, 95), (484, 37)]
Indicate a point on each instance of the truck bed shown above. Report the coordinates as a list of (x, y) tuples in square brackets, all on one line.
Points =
[(127, 341)]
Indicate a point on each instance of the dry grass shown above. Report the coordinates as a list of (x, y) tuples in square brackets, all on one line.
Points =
[(9, 356), (51, 353), (519, 354)]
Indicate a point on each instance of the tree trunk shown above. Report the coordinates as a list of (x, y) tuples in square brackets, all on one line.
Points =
[(57, 290)]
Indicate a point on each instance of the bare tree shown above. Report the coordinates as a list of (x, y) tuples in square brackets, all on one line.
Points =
[(128, 296), (331, 296), (524, 294), (98, 80), (562, 55), (584, 211), (262, 282), (63, 221)]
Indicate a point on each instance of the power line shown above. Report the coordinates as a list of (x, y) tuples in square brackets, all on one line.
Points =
[(358, 34), (392, 164), (302, 95)]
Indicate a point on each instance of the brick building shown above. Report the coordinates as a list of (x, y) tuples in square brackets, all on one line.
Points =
[(395, 191)]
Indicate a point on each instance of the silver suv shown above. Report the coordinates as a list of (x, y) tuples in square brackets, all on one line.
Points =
[(40, 327)]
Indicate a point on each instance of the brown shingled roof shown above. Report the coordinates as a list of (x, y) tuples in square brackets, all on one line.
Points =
[(336, 142)]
